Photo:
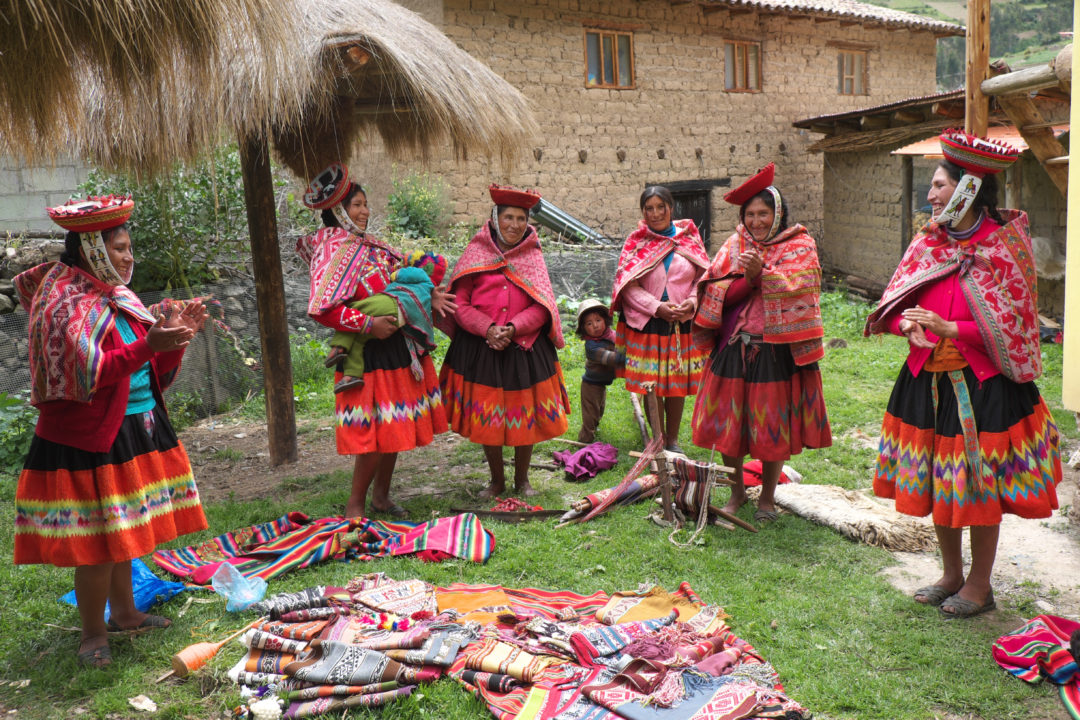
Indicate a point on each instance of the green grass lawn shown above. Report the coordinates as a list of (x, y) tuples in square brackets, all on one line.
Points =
[(845, 642)]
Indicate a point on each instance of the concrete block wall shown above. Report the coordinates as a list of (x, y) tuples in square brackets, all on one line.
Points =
[(678, 105), (26, 192)]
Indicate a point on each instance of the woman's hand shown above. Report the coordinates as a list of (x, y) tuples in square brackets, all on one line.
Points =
[(442, 301), (913, 331), (667, 311), (383, 326), (193, 316), (930, 320), (499, 336), (685, 310), (751, 263), (168, 334)]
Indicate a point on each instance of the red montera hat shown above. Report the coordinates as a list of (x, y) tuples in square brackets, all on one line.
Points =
[(977, 155), (506, 195), (328, 188), (93, 213), (757, 182)]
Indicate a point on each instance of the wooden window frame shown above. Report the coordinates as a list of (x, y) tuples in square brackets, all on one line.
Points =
[(614, 34), (741, 47), (841, 76)]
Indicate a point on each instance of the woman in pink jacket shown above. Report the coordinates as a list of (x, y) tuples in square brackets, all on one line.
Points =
[(656, 296), (501, 382)]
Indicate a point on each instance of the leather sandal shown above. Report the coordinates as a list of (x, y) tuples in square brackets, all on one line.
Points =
[(934, 594), (336, 355), (99, 657), (964, 608), (347, 382)]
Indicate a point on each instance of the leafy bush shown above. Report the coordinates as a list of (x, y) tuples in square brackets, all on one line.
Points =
[(17, 420), (418, 206)]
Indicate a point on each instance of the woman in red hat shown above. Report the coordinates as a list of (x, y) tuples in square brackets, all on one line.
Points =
[(106, 479), (394, 409), (655, 296), (966, 436), (501, 381), (759, 313)]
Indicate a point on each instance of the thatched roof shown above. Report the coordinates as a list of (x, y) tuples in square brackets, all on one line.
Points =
[(401, 76), (140, 84)]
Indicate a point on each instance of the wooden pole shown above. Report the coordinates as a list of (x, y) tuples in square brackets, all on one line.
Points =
[(976, 106), (269, 298), (907, 182)]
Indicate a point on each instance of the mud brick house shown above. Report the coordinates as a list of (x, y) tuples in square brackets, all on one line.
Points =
[(691, 94)]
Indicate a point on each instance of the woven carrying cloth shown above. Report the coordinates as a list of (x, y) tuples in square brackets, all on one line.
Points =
[(344, 266), (644, 250), (997, 276), (790, 284), (523, 265), (70, 312)]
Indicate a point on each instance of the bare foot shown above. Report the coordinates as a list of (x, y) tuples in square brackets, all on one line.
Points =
[(525, 489), (355, 510), (493, 491), (736, 501)]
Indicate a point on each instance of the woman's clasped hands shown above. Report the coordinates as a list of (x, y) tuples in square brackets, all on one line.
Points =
[(499, 336), (917, 320)]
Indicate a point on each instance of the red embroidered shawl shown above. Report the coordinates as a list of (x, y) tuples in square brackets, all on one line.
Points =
[(997, 276), (71, 312), (644, 250), (790, 287), (343, 266), (523, 265)]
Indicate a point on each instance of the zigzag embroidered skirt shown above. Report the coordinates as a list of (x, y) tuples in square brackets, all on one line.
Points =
[(505, 397), (74, 507), (659, 354), (922, 461), (392, 411), (754, 400)]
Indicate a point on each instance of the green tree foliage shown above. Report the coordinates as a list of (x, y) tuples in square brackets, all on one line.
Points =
[(418, 206), (188, 224)]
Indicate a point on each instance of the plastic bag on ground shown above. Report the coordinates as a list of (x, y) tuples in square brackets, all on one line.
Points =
[(241, 592)]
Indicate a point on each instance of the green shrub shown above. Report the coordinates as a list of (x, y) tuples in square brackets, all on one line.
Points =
[(418, 206), (17, 420)]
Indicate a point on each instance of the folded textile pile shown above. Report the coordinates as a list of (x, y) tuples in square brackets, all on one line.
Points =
[(295, 541), (526, 653)]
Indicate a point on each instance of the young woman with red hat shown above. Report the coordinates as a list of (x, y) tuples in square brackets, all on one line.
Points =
[(501, 381), (966, 436), (106, 479), (759, 313), (394, 409), (655, 296)]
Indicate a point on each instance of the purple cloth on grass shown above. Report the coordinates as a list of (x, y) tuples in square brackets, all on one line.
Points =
[(586, 462)]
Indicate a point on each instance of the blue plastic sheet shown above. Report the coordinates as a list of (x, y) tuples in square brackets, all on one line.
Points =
[(148, 588)]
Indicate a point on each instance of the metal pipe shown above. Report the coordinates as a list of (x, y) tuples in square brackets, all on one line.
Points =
[(558, 220)]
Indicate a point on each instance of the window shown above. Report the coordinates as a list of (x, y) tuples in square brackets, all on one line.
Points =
[(742, 66), (851, 72), (609, 59)]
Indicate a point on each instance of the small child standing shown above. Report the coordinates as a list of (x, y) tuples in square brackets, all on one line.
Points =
[(408, 298), (601, 359)]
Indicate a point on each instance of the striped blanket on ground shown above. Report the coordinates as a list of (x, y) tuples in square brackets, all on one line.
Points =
[(294, 541), (1045, 647)]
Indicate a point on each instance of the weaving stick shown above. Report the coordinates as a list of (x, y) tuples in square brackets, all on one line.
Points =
[(718, 468), (652, 405), (635, 403), (196, 655)]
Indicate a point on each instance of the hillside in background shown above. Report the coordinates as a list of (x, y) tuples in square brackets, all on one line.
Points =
[(1022, 32)]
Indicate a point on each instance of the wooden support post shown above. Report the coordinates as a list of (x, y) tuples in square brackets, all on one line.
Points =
[(652, 405), (1014, 185), (269, 298), (1039, 137), (907, 183), (635, 403), (976, 106)]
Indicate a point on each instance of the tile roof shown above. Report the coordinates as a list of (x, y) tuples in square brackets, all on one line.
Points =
[(886, 107), (862, 13)]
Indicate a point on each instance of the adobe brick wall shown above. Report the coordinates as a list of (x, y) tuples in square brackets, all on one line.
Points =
[(26, 192), (678, 106)]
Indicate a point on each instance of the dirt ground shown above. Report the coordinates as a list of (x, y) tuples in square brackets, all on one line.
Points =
[(1036, 558)]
